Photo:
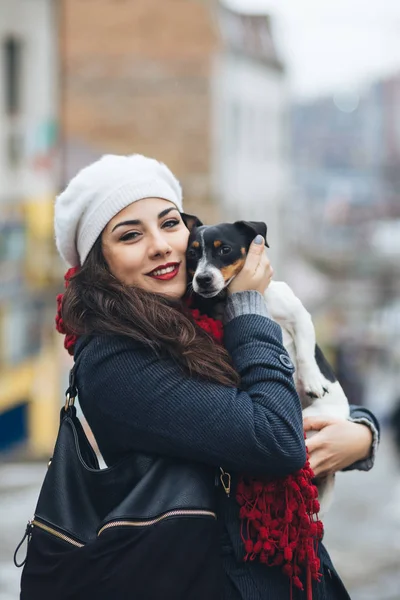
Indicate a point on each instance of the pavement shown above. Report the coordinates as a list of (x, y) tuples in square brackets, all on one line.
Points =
[(19, 487), (362, 527)]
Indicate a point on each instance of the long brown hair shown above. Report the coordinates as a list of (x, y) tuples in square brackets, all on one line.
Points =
[(95, 302)]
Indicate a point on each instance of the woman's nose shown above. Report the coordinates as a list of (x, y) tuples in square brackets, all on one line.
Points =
[(159, 246)]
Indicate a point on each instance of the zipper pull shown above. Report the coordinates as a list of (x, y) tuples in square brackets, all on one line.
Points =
[(225, 479), (28, 534)]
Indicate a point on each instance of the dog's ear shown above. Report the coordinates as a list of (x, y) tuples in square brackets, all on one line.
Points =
[(251, 229), (191, 221)]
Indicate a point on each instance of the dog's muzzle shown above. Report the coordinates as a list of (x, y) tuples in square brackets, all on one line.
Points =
[(208, 283)]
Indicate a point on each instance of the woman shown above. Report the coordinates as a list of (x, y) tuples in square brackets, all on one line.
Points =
[(151, 380)]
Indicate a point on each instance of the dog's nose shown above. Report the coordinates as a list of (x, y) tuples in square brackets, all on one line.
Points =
[(204, 279)]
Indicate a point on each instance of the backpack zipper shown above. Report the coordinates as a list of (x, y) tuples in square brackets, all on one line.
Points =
[(62, 536), (225, 479), (171, 513), (27, 534)]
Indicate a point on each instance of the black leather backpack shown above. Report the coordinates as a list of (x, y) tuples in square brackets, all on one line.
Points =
[(142, 529)]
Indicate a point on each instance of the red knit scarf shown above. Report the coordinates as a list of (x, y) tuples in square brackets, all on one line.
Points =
[(279, 517)]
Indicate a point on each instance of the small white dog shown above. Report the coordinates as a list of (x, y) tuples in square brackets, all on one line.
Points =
[(215, 255)]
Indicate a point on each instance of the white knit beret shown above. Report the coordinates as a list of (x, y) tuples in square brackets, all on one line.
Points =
[(99, 192)]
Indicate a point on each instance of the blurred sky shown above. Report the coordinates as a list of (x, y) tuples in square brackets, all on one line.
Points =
[(332, 45)]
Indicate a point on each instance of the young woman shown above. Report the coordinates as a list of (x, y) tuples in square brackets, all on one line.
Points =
[(152, 380)]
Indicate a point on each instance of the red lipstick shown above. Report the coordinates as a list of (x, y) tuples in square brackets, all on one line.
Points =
[(172, 271)]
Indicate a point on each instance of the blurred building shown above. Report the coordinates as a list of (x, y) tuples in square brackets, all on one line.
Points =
[(28, 109), (346, 157), (137, 78), (346, 219), (193, 84), (391, 128), (250, 124)]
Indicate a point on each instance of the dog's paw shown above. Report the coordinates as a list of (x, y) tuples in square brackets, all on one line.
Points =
[(315, 393), (312, 383)]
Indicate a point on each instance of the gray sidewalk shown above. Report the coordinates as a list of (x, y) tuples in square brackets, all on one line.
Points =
[(363, 528), (19, 486)]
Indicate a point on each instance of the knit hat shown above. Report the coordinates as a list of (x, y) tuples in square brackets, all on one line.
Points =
[(99, 192)]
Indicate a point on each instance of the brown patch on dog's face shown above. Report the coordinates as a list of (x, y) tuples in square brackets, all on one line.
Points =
[(217, 243), (191, 272), (233, 269), (195, 244), (243, 251)]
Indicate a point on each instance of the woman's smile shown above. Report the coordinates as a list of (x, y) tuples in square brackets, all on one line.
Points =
[(165, 272)]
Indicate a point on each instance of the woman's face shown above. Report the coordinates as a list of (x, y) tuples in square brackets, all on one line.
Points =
[(145, 246)]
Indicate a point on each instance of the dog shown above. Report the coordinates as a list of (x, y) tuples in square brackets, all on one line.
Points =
[(215, 255)]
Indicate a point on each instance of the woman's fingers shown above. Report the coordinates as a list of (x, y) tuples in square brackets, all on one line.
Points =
[(257, 271)]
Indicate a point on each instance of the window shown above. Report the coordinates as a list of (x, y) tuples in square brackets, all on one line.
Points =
[(23, 322), (14, 149), (12, 242), (12, 67)]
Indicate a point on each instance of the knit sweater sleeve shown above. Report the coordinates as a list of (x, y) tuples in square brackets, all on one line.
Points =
[(359, 414), (134, 400)]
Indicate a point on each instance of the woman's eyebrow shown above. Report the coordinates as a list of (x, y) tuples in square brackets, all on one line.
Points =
[(138, 222), (166, 211), (132, 222)]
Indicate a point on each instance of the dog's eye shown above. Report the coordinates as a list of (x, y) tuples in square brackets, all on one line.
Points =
[(225, 250), (191, 253)]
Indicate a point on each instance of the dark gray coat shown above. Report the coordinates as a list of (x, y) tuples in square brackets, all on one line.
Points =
[(134, 401)]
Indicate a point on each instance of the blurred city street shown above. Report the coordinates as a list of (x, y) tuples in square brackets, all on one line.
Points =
[(262, 115), (362, 530)]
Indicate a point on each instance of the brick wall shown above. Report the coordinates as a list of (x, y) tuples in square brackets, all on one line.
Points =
[(137, 79)]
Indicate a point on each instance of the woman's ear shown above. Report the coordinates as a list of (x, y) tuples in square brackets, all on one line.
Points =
[(191, 221), (251, 229)]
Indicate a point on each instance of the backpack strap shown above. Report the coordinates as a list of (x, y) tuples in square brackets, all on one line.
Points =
[(72, 390)]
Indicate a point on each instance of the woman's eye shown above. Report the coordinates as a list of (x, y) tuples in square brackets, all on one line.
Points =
[(225, 249), (170, 223), (131, 235)]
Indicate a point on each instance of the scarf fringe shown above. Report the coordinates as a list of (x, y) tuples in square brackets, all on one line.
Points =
[(280, 524)]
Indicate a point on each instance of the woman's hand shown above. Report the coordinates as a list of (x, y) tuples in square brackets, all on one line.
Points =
[(257, 271), (337, 443)]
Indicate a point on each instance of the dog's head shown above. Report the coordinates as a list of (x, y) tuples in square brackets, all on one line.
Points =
[(216, 254)]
